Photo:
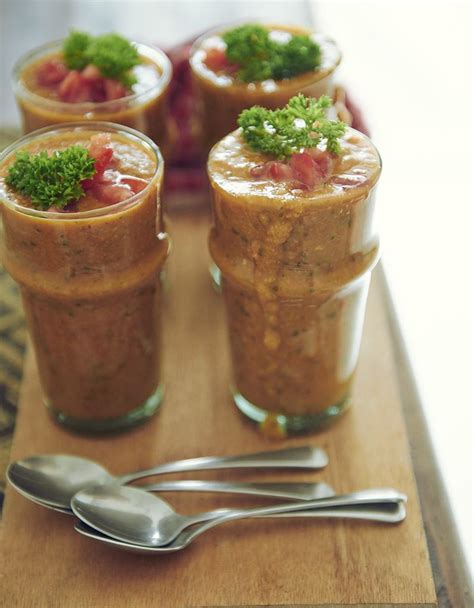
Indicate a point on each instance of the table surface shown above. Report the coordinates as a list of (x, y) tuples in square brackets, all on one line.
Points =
[(27, 23)]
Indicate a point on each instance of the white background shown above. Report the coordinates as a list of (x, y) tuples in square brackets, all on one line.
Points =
[(410, 66)]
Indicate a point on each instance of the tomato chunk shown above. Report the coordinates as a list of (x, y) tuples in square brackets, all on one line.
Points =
[(349, 180), (216, 60), (324, 162), (273, 169), (74, 88), (278, 170), (78, 87), (52, 72), (109, 194), (91, 72), (308, 168), (136, 184), (311, 167), (304, 169), (114, 89), (258, 170), (101, 150)]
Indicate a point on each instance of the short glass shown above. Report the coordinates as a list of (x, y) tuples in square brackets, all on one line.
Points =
[(90, 285), (221, 98), (144, 111), (295, 274)]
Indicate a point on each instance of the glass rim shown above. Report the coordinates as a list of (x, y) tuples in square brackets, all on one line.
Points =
[(223, 27), (83, 125), (21, 91), (325, 198)]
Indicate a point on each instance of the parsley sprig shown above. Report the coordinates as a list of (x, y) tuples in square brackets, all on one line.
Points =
[(300, 124), (114, 55), (51, 180), (260, 58)]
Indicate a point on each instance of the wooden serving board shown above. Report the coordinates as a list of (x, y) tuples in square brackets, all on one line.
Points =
[(250, 563)]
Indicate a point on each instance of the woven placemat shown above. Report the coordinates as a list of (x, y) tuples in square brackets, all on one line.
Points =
[(12, 349)]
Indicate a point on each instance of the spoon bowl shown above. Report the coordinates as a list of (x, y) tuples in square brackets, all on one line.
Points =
[(53, 479)]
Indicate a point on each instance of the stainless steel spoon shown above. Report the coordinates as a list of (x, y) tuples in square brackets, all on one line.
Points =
[(396, 510), (53, 479), (290, 490), (137, 517)]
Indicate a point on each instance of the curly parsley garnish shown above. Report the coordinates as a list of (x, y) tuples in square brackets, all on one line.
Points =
[(51, 180), (260, 58), (300, 124), (114, 55), (74, 50)]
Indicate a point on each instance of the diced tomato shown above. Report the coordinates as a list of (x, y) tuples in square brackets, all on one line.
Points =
[(304, 169), (311, 167), (103, 177), (97, 89), (99, 141), (97, 83), (323, 160), (278, 170), (307, 168), (216, 60), (103, 154), (74, 88), (89, 85), (349, 180), (109, 194), (87, 184), (52, 72), (101, 150), (137, 184), (91, 72), (258, 170), (273, 169), (114, 89)]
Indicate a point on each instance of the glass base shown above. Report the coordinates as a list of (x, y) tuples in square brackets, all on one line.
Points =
[(110, 425), (215, 277), (281, 425)]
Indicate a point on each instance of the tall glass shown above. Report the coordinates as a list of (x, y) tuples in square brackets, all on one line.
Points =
[(222, 97), (144, 111), (90, 284), (295, 270)]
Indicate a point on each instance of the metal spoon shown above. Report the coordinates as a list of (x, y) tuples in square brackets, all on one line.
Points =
[(137, 517), (52, 480), (290, 490), (397, 511)]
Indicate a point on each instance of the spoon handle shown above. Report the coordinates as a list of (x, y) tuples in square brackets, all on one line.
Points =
[(374, 499), (290, 490), (307, 457), (386, 510)]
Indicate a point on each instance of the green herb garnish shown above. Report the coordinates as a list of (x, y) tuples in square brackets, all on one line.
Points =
[(260, 58), (51, 180), (114, 55), (74, 50), (300, 124)]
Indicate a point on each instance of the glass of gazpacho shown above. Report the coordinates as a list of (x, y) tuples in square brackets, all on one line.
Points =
[(240, 66), (293, 199), (105, 78), (85, 241)]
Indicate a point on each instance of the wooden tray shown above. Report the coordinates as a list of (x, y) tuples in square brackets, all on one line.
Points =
[(254, 563)]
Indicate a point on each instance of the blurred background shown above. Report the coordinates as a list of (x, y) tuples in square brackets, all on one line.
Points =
[(409, 67)]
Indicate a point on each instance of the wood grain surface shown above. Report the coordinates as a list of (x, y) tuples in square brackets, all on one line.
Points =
[(253, 563)]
